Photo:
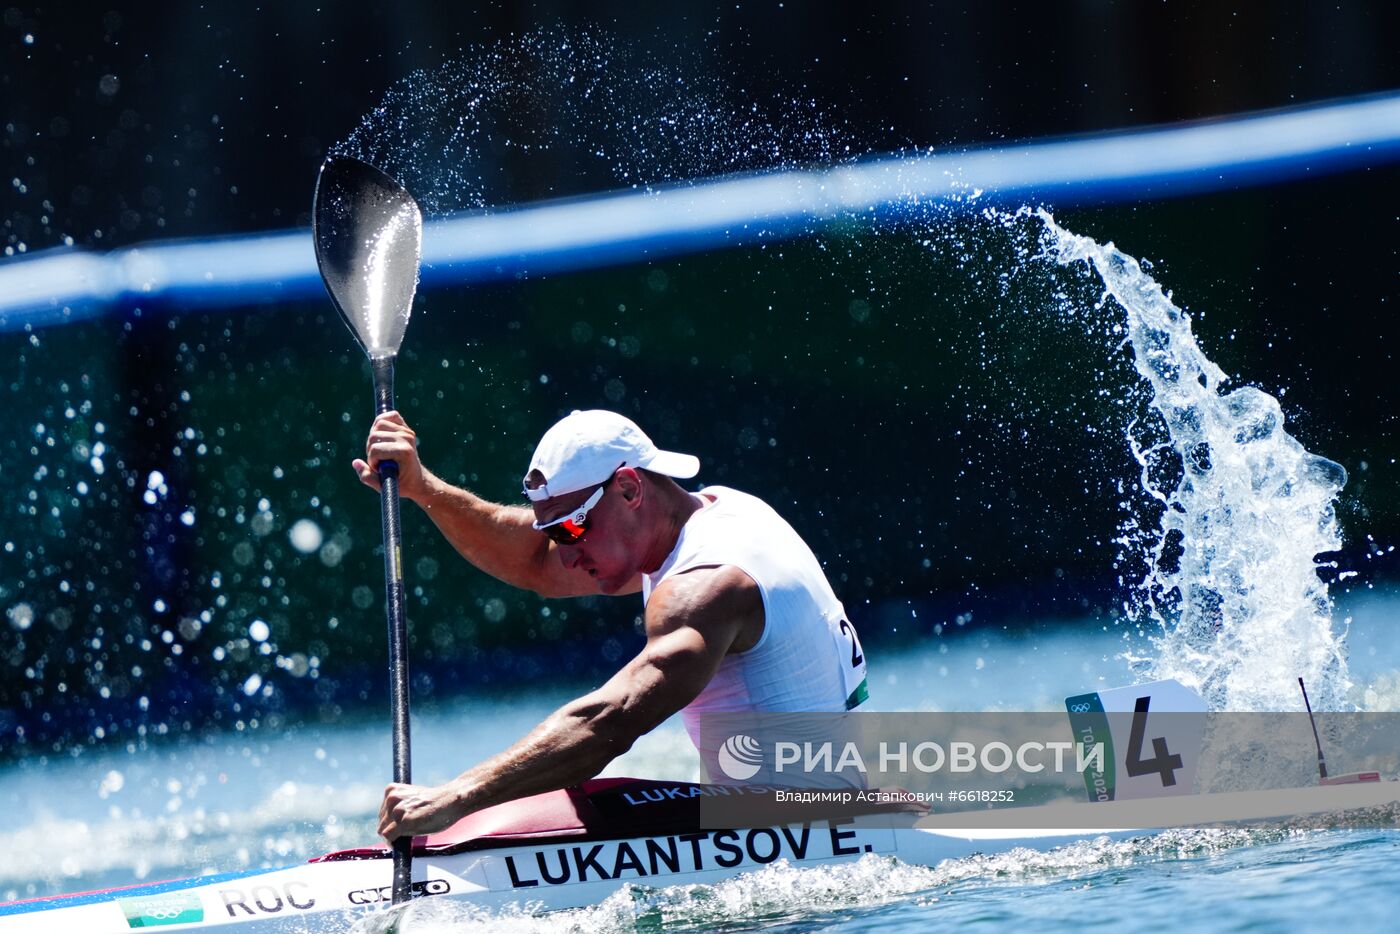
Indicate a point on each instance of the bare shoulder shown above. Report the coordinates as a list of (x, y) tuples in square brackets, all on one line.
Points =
[(721, 601)]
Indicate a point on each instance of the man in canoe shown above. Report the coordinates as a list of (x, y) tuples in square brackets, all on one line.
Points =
[(739, 616)]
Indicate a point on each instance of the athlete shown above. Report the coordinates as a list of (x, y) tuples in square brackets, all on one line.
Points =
[(739, 616)]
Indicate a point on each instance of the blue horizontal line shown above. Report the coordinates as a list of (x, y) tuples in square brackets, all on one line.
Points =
[(63, 285)]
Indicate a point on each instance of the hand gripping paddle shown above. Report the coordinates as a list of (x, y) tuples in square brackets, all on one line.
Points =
[(369, 232)]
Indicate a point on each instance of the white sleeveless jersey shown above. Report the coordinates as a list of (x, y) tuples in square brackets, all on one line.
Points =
[(808, 659)]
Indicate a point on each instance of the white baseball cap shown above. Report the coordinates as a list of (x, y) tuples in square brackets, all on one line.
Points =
[(586, 448)]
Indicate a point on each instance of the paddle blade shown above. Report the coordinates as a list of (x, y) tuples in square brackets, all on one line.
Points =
[(369, 234)]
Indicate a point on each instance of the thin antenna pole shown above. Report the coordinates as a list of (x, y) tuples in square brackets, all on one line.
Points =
[(1321, 761)]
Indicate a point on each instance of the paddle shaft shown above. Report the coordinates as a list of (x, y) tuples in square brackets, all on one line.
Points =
[(398, 623)]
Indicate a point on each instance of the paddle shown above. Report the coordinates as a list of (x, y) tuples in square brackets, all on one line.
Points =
[(368, 232)]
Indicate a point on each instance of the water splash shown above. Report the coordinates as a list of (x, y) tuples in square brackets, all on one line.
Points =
[(783, 894), (1232, 574), (556, 111)]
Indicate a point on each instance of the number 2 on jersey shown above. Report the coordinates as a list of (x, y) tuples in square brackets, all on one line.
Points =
[(850, 632)]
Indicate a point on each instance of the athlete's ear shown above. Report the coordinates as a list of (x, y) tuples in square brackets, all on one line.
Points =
[(629, 484)]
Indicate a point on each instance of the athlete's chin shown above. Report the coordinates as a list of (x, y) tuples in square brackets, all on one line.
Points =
[(607, 585)]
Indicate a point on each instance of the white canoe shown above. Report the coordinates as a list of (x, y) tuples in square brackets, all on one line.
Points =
[(554, 851)]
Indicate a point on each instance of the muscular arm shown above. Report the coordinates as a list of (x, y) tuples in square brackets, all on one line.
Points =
[(497, 539), (693, 621)]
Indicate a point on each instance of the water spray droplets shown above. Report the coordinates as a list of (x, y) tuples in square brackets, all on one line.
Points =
[(574, 112), (1231, 580), (305, 536)]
